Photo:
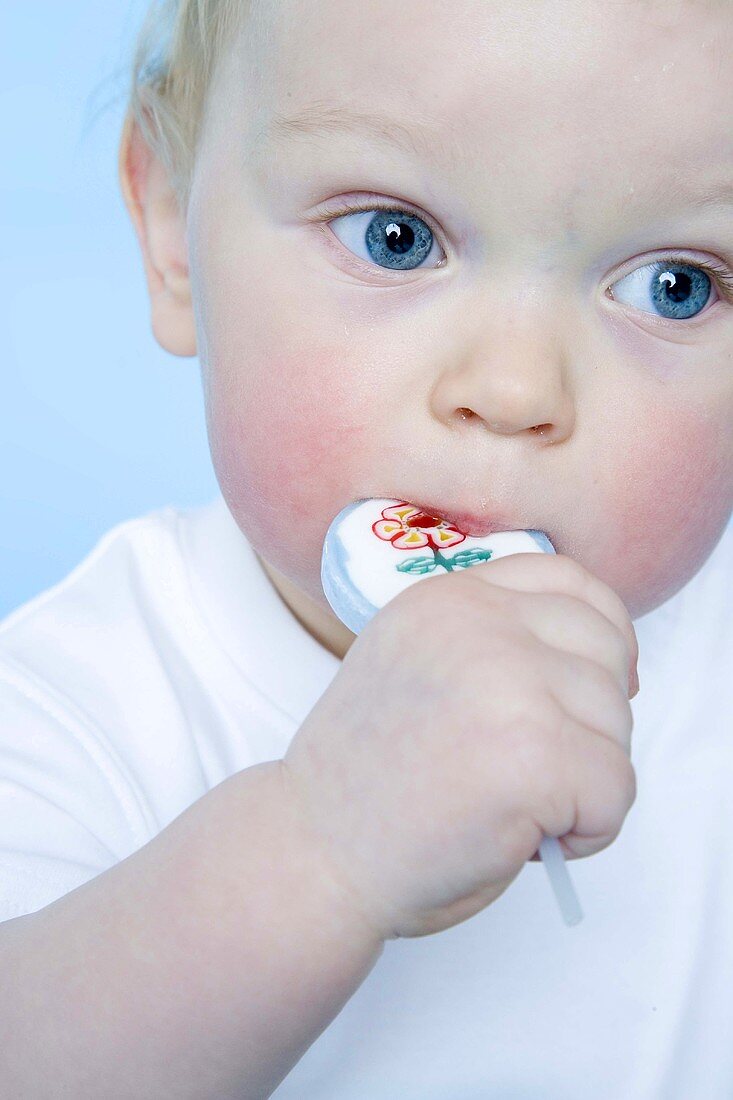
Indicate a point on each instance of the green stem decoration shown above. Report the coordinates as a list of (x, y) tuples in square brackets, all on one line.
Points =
[(462, 560)]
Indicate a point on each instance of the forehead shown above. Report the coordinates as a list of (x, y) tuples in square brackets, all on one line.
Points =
[(476, 77), (418, 47), (557, 101)]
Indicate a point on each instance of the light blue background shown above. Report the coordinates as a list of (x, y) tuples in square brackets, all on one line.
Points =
[(97, 422)]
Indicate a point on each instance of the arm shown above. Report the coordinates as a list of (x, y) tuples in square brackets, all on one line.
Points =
[(203, 965)]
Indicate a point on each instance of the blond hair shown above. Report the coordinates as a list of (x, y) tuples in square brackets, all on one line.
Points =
[(176, 52)]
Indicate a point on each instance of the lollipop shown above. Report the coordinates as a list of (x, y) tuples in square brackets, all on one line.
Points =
[(374, 549)]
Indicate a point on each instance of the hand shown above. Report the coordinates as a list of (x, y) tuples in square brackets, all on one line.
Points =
[(477, 711)]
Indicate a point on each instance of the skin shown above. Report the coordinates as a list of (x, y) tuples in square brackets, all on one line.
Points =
[(508, 380)]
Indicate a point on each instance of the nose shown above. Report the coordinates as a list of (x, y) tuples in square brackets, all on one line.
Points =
[(515, 382)]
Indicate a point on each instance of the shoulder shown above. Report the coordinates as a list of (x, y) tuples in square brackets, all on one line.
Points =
[(90, 669), (82, 636), (138, 549)]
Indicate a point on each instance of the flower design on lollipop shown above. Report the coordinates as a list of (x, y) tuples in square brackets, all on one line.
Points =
[(407, 528)]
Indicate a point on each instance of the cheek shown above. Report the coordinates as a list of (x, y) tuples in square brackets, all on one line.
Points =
[(669, 500), (288, 454)]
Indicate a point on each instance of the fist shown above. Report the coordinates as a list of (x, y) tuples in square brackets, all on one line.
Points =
[(476, 711)]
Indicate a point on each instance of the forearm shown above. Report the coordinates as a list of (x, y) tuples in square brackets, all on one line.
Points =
[(204, 965)]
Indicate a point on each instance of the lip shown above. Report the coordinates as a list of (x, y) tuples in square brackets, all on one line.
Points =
[(467, 522)]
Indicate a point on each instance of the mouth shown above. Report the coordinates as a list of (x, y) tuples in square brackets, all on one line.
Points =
[(466, 522)]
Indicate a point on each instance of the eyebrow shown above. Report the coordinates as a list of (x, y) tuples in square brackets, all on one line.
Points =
[(325, 119), (422, 139)]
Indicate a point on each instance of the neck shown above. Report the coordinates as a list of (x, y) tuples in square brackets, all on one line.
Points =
[(322, 625)]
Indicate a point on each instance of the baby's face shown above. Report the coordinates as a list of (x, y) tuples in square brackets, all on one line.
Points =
[(502, 340)]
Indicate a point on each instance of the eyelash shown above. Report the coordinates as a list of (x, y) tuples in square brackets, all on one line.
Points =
[(722, 279)]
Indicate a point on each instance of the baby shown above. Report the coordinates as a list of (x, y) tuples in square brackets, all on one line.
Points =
[(475, 256)]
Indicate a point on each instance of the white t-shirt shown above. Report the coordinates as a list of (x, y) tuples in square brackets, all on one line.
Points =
[(165, 662)]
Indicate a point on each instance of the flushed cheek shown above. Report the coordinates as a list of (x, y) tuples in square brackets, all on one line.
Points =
[(288, 458), (670, 498)]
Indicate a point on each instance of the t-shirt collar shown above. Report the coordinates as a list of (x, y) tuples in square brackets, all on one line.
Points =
[(262, 636)]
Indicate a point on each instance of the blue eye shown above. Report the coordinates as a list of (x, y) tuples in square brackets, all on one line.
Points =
[(677, 290), (395, 240)]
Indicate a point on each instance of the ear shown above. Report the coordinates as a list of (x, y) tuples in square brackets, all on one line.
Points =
[(161, 232)]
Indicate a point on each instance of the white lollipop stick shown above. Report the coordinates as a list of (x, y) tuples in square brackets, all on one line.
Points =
[(361, 572), (552, 856)]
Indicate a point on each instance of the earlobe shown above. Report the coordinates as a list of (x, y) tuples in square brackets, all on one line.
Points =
[(160, 228)]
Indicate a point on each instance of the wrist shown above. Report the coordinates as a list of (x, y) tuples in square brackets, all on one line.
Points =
[(346, 894)]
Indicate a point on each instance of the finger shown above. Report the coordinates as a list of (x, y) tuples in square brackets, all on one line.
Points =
[(590, 695), (559, 573), (594, 777), (574, 626)]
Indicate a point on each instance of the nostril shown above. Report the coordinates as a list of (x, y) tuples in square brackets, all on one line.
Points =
[(465, 414)]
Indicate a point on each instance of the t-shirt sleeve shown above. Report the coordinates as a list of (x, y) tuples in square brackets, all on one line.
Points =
[(67, 811)]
